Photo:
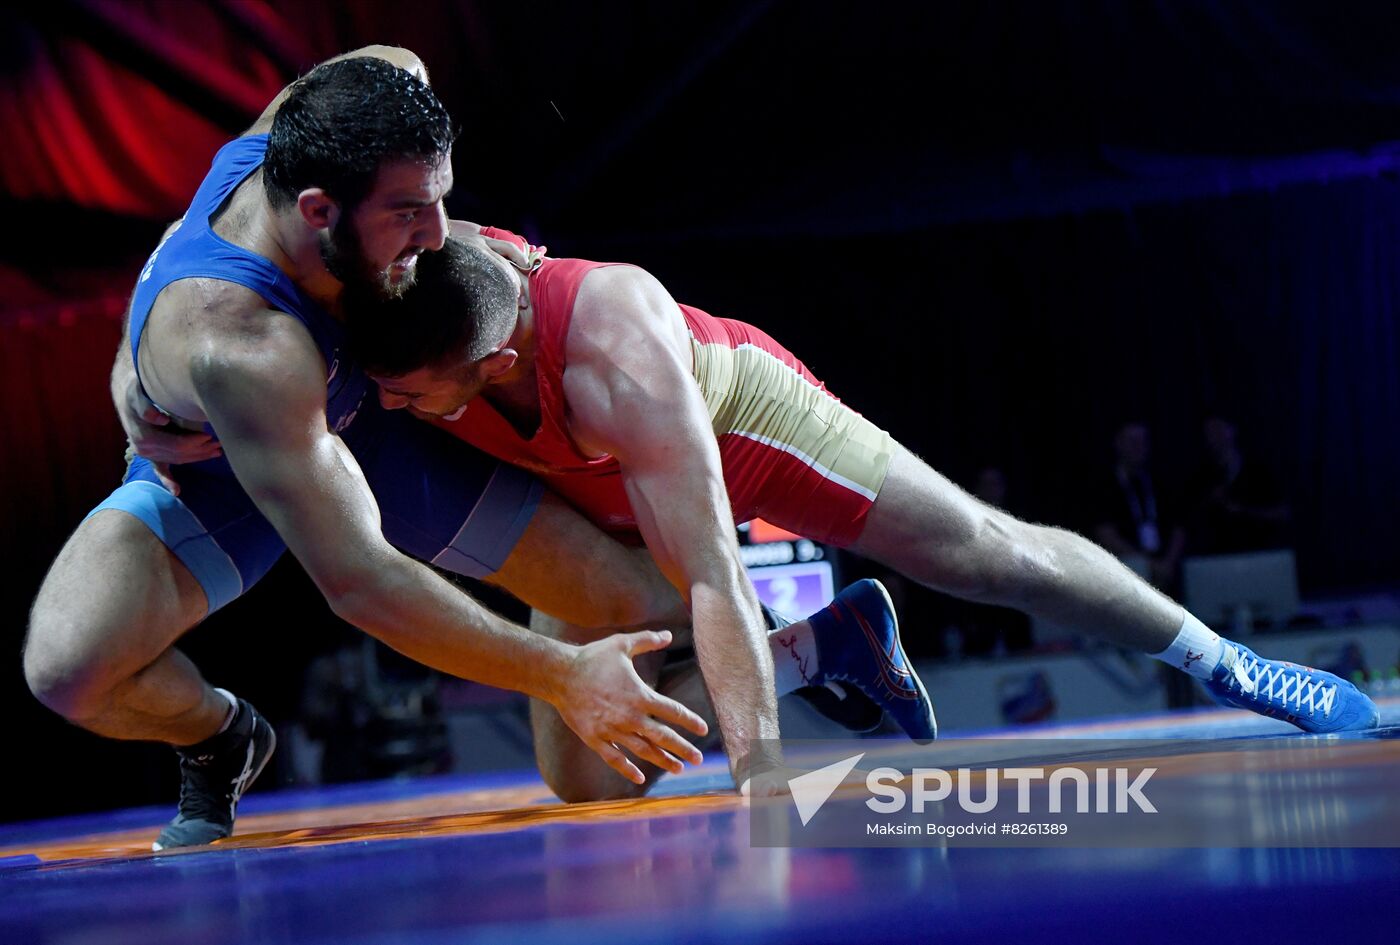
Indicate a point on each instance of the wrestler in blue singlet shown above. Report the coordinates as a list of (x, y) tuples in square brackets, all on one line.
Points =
[(439, 500)]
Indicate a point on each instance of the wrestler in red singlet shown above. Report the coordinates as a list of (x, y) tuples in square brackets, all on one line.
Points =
[(792, 453)]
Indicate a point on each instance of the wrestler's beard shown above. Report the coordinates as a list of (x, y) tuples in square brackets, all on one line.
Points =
[(343, 253)]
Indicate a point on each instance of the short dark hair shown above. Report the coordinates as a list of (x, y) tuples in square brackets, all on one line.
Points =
[(342, 121), (461, 305)]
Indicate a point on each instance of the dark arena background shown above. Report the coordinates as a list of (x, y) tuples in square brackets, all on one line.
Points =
[(1012, 234)]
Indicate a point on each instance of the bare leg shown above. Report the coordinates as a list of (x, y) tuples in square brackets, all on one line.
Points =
[(930, 530), (584, 585), (565, 566), (100, 646), (573, 771)]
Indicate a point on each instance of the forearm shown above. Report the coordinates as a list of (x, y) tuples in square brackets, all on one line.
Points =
[(309, 486), (408, 607), (732, 647)]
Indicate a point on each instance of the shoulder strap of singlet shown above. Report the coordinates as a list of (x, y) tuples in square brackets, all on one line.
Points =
[(193, 250), (554, 288)]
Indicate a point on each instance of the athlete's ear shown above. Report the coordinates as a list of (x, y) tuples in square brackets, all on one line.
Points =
[(317, 208), (497, 363)]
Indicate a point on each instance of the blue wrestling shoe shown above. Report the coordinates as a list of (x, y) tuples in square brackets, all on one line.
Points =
[(859, 653), (213, 776), (1309, 698)]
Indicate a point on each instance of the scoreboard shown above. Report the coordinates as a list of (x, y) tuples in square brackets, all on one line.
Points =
[(793, 575)]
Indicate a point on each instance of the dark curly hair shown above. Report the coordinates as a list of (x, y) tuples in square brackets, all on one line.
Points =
[(344, 119)]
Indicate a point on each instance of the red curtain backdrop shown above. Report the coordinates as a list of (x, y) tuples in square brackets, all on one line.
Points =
[(122, 110)]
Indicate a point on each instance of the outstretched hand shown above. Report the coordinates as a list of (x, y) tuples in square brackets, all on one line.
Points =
[(616, 713)]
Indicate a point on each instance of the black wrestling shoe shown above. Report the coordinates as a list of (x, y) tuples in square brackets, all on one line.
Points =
[(213, 776), (843, 704)]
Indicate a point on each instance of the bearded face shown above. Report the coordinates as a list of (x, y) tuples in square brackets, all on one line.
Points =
[(375, 242), (345, 257)]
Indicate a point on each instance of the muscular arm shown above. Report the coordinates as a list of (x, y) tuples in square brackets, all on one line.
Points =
[(631, 393), (308, 485)]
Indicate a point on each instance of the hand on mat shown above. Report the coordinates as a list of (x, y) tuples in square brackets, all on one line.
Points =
[(777, 782), (614, 711), (761, 772), (151, 435)]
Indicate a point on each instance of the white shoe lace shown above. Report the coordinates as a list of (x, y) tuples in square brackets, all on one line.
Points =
[(1290, 686)]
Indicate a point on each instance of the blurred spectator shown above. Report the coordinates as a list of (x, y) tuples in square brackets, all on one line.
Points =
[(376, 714), (1236, 502), (1133, 519)]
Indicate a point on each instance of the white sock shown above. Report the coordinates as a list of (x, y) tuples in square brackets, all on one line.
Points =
[(1197, 649), (232, 709), (794, 656)]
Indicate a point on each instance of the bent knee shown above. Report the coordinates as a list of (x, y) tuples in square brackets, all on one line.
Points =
[(71, 690), (577, 776), (67, 680), (570, 769), (574, 787)]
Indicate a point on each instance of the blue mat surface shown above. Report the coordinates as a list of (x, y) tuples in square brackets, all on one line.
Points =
[(677, 869)]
